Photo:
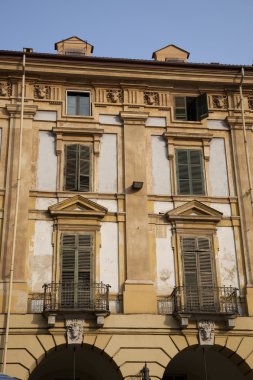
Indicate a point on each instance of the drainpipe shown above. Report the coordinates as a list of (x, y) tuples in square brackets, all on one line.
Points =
[(245, 140), (8, 315)]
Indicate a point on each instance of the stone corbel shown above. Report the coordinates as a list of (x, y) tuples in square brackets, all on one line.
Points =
[(59, 145), (96, 144), (206, 149)]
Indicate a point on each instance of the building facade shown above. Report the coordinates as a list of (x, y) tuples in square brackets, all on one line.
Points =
[(126, 216)]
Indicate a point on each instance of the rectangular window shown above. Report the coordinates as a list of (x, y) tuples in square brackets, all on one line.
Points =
[(78, 103), (76, 270), (77, 167), (198, 273), (191, 108), (189, 172)]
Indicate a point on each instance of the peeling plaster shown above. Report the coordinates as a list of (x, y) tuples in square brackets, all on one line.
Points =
[(165, 264), (109, 264), (160, 167), (227, 257)]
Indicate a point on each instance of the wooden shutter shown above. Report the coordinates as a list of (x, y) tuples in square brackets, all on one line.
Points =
[(85, 258), (180, 108), (201, 107), (183, 175), (84, 168), (77, 167), (71, 167), (198, 272), (76, 270), (196, 171), (189, 171), (68, 258)]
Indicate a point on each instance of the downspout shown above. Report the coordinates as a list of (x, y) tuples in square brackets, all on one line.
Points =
[(245, 141), (8, 315)]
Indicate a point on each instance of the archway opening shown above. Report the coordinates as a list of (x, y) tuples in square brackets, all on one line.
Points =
[(76, 363), (198, 363)]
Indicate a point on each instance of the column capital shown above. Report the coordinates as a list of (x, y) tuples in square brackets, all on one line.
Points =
[(134, 117), (15, 110)]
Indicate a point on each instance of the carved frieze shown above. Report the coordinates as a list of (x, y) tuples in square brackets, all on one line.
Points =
[(74, 331), (151, 98), (42, 92), (114, 96), (250, 102), (206, 333), (5, 89), (220, 101)]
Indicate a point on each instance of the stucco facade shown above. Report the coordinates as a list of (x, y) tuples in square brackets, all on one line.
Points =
[(123, 178)]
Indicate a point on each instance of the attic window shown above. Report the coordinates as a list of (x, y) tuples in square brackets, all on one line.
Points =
[(78, 52), (190, 108)]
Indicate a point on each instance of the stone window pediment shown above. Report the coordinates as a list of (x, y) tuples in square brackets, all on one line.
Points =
[(77, 207), (194, 211)]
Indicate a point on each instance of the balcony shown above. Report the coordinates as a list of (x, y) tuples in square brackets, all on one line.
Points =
[(76, 297), (217, 302)]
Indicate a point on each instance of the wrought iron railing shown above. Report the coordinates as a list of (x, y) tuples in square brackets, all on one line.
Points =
[(205, 299), (69, 296)]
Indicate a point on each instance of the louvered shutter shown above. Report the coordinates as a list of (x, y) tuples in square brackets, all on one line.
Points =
[(189, 249), (68, 268), (71, 167), (183, 175), (189, 172), (180, 108), (76, 269), (85, 260), (198, 273), (206, 274), (84, 168), (196, 172), (201, 107)]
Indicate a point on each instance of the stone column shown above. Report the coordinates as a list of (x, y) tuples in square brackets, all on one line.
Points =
[(139, 293)]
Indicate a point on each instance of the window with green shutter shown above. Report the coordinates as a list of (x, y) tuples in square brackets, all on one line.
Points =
[(77, 168), (198, 273), (76, 269), (191, 108), (190, 179)]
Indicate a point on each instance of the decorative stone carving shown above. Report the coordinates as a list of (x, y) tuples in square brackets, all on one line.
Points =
[(220, 101), (114, 96), (5, 89), (206, 333), (41, 92), (250, 102), (74, 331), (151, 98)]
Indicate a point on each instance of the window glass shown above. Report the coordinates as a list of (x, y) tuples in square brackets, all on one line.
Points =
[(78, 103)]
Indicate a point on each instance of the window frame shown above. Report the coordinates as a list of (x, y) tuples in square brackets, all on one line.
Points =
[(78, 92), (195, 108), (190, 167), (77, 167)]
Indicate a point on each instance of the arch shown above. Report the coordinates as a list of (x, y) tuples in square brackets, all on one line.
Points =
[(219, 361), (88, 362)]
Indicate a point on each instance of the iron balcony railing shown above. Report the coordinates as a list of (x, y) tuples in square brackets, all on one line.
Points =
[(205, 299), (69, 296)]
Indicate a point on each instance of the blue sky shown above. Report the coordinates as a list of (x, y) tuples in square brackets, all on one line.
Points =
[(211, 30)]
